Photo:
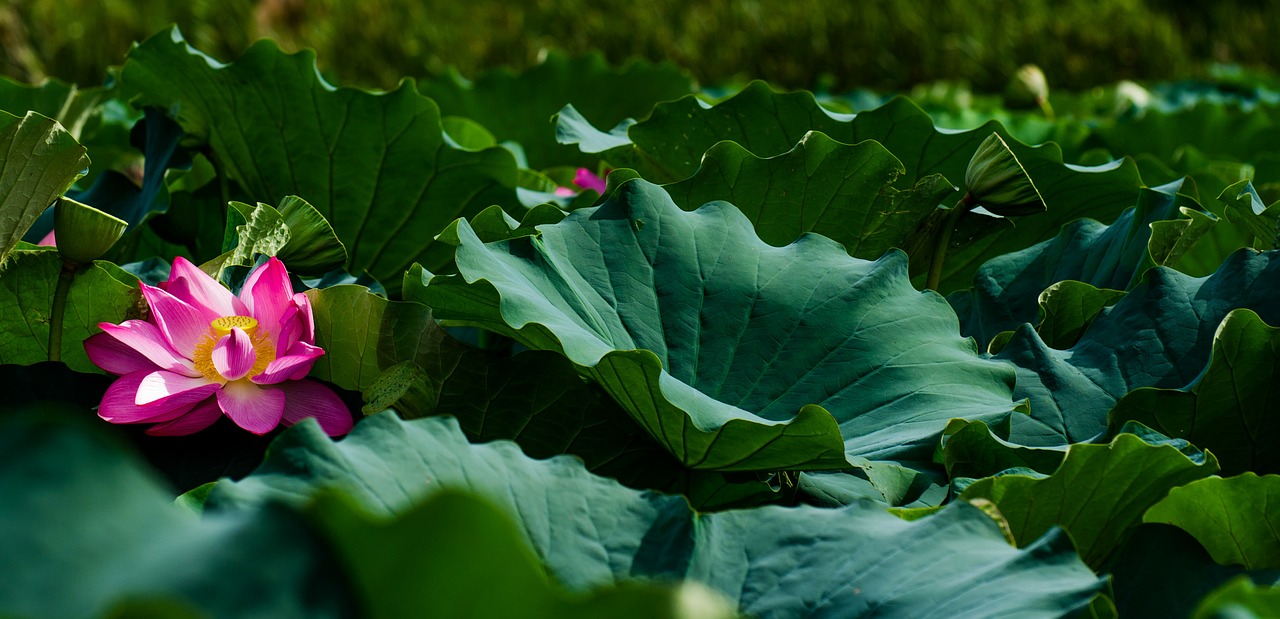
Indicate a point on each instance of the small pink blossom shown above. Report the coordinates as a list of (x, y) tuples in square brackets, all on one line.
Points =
[(588, 180), (204, 353), (584, 179)]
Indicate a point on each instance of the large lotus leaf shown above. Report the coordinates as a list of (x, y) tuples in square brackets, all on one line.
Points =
[(1240, 599), (733, 354), (1099, 492), (837, 190), (538, 400), (375, 165), (41, 162), (1234, 518), (1007, 288), (669, 146), (1161, 571), (86, 527), (772, 561), (1229, 408), (606, 94), (363, 334), (100, 292), (458, 555), (1159, 335)]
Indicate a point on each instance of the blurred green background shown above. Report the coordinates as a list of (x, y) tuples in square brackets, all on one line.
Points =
[(881, 44)]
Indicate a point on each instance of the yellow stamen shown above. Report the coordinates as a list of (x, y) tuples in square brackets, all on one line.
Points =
[(264, 351)]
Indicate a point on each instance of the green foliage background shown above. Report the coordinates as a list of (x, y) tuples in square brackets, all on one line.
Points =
[(883, 44)]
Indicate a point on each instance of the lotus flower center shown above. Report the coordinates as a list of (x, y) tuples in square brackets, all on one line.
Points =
[(264, 351), (223, 325)]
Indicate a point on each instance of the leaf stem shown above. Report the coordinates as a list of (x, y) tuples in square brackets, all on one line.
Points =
[(60, 294), (965, 205)]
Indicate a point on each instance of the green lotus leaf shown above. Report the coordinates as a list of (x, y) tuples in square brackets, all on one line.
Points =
[(1243, 205), (973, 449), (1216, 128), (1240, 599), (363, 334), (87, 527), (1098, 493), (1068, 307), (456, 554), (837, 190), (92, 116), (1159, 335), (1006, 289), (1234, 518), (771, 561), (1161, 571), (537, 399), (733, 354), (669, 145), (606, 94), (41, 163), (295, 233), (100, 292), (376, 166), (1227, 409)]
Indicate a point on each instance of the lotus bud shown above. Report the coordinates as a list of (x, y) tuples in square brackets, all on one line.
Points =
[(997, 181), (84, 233), (1030, 87), (1030, 82)]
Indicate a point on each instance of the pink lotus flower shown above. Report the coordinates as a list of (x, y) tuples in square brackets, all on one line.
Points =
[(205, 352), (584, 179)]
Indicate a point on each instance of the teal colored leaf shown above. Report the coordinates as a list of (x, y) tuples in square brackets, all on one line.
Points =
[(669, 146), (537, 399), (81, 509), (458, 555), (843, 192), (606, 94), (363, 334), (771, 561), (1159, 335), (1240, 599), (1006, 289), (41, 162), (376, 166), (1234, 518), (733, 354), (100, 292), (1067, 308), (1098, 494), (1228, 408)]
